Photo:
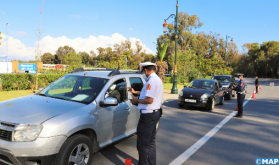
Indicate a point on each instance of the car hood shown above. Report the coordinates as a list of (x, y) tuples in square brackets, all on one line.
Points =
[(196, 93), (34, 109)]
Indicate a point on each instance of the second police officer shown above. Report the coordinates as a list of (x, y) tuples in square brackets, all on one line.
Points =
[(149, 104), (240, 90)]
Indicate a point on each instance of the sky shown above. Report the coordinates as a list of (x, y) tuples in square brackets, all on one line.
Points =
[(88, 24)]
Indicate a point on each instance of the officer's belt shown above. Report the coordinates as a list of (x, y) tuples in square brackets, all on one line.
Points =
[(148, 111), (243, 92)]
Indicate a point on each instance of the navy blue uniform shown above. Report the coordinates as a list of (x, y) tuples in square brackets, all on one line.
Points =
[(240, 90)]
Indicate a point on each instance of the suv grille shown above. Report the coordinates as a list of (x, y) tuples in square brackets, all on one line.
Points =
[(5, 158), (5, 135)]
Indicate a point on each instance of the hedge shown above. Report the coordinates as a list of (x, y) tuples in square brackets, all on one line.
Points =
[(21, 81)]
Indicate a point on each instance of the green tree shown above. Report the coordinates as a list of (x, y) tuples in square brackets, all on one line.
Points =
[(84, 57), (62, 52), (73, 61), (47, 58), (162, 66)]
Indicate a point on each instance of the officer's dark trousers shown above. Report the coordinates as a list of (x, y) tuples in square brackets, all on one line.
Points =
[(146, 132), (257, 88), (240, 100)]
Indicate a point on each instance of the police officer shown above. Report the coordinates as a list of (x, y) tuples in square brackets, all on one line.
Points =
[(240, 90), (149, 103), (257, 84)]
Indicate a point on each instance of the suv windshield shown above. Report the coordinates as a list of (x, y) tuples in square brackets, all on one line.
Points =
[(201, 84), (75, 88), (222, 78)]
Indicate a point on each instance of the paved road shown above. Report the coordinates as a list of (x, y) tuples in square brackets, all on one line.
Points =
[(239, 141)]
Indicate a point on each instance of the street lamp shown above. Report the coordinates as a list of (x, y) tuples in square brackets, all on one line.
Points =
[(226, 51), (165, 27)]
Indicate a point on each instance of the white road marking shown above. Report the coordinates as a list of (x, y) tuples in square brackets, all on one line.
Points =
[(190, 151)]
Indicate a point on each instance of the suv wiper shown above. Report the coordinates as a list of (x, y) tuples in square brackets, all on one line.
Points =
[(59, 98), (41, 94)]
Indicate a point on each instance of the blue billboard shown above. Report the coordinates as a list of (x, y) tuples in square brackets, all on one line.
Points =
[(31, 68)]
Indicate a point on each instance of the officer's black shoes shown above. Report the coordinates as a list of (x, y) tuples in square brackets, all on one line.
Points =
[(238, 116)]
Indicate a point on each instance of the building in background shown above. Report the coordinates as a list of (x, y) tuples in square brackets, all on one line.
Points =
[(3, 67), (26, 67), (16, 67)]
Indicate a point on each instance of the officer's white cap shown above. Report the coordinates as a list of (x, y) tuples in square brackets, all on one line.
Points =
[(239, 74), (147, 64)]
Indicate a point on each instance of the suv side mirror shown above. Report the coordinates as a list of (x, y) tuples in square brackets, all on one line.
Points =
[(110, 101)]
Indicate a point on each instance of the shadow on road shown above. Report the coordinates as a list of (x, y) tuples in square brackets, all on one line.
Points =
[(112, 153), (173, 104)]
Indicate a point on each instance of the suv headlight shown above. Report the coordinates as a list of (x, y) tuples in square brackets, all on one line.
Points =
[(26, 132), (205, 96), (181, 93)]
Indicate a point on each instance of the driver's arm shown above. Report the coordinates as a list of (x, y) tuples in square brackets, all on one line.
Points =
[(133, 91)]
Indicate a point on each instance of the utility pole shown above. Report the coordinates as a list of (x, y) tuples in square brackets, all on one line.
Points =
[(7, 47)]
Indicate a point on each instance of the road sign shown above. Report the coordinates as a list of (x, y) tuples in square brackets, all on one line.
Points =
[(31, 68)]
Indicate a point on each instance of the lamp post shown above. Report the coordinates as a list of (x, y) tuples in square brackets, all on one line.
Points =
[(170, 40), (165, 26), (226, 51), (7, 46)]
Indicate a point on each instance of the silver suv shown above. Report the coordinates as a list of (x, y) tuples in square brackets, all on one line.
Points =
[(69, 120)]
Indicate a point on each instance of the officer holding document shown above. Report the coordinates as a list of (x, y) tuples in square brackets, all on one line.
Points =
[(149, 104)]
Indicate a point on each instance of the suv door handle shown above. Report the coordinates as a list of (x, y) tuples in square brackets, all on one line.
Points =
[(128, 109)]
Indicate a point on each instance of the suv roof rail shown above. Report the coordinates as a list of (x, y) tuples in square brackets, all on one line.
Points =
[(112, 73), (92, 68), (77, 70), (130, 70)]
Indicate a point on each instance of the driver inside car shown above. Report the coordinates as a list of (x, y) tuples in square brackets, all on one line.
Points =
[(113, 93)]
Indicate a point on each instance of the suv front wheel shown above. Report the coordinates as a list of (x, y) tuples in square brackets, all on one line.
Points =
[(78, 149)]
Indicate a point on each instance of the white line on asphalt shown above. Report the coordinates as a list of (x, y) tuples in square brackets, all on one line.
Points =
[(190, 151)]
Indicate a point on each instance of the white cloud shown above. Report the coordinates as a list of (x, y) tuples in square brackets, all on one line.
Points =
[(75, 16), (17, 50), (3, 13), (20, 33), (131, 29)]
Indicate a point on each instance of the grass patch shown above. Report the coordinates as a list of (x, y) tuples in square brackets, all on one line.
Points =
[(169, 85), (5, 95)]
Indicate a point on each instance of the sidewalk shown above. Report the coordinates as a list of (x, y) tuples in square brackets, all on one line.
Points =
[(168, 95)]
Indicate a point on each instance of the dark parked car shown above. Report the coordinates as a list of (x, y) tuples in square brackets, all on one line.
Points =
[(226, 81), (204, 93)]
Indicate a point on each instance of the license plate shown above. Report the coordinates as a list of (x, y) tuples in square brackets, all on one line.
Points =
[(190, 100)]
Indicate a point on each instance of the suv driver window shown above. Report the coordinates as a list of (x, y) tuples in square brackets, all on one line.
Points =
[(136, 83), (117, 90)]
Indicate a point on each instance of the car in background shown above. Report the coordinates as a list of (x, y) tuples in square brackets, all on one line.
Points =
[(226, 81), (205, 93)]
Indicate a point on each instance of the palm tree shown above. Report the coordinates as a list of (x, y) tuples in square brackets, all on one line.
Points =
[(162, 66)]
